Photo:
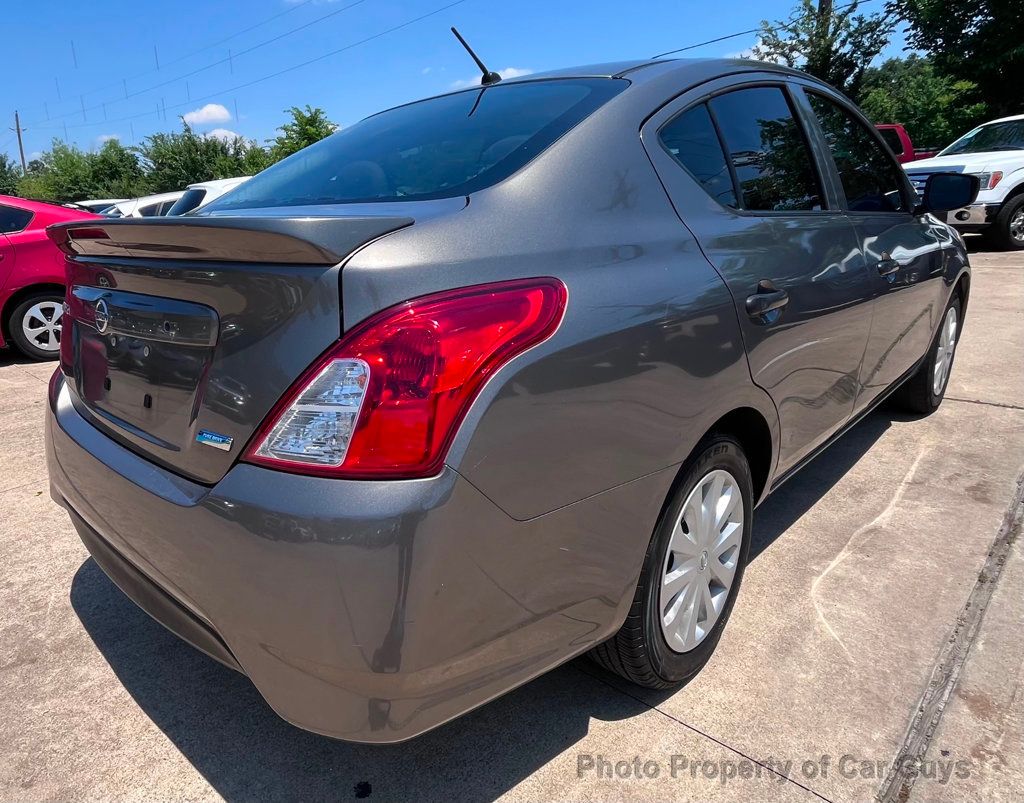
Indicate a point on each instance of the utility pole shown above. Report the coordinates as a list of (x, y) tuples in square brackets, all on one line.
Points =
[(21, 145)]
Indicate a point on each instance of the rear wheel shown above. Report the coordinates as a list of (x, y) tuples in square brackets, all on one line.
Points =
[(691, 573), (924, 391), (35, 326)]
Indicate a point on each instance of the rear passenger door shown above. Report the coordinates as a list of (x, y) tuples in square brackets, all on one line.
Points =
[(742, 175), (902, 252)]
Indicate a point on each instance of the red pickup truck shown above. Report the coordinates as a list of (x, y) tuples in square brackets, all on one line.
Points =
[(897, 138)]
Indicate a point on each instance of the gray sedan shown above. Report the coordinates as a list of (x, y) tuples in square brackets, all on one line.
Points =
[(493, 379)]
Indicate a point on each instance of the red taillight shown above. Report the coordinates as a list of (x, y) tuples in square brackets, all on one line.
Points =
[(387, 399)]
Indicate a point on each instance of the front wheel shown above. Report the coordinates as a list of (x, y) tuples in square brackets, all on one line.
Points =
[(924, 391), (35, 326), (691, 573), (1007, 230)]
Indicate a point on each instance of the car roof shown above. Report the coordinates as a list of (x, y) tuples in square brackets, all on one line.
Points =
[(640, 70), (609, 69), (1002, 120), (47, 211), (132, 204), (218, 183)]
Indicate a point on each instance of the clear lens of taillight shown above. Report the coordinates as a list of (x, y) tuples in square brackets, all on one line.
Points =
[(317, 427), (386, 401)]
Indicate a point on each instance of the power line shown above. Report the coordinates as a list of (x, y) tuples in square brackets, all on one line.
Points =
[(228, 60), (292, 68), (752, 30), (190, 54)]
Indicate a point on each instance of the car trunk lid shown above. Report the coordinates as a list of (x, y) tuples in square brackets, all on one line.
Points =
[(180, 335)]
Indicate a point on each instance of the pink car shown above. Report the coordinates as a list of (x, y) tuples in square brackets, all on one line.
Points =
[(32, 276)]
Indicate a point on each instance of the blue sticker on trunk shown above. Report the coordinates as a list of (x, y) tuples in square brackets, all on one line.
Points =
[(214, 439)]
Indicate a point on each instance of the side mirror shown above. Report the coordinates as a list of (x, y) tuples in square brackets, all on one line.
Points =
[(944, 192)]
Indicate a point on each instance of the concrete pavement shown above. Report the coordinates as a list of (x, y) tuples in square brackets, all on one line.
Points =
[(879, 620)]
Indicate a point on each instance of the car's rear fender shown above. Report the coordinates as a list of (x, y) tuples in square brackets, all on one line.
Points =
[(647, 357)]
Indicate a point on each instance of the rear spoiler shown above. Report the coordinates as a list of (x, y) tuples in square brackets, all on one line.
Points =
[(298, 241)]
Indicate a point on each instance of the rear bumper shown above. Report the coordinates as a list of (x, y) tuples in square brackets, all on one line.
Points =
[(366, 611)]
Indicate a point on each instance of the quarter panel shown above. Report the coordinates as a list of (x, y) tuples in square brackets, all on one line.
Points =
[(648, 354)]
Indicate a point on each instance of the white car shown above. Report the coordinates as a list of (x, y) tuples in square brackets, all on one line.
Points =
[(147, 206), (201, 193), (994, 152), (99, 204)]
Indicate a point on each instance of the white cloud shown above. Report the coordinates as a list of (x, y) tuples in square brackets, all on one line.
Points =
[(222, 133), (748, 53), (425, 70), (106, 138), (210, 113), (508, 72)]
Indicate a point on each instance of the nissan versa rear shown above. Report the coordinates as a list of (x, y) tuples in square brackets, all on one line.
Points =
[(492, 379)]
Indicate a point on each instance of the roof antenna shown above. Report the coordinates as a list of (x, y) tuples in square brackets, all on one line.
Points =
[(488, 76)]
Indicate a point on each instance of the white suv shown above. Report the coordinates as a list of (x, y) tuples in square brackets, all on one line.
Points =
[(995, 153), (201, 193)]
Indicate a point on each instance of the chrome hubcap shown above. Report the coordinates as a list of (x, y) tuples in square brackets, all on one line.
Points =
[(1017, 225), (703, 554), (41, 325), (944, 354)]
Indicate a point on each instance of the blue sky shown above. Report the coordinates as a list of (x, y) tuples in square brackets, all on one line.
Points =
[(68, 54)]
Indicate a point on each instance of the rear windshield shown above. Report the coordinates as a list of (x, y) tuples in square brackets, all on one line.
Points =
[(438, 148), (187, 202)]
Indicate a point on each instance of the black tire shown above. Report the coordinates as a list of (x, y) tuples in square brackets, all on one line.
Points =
[(1001, 234), (639, 651), (14, 326), (917, 395)]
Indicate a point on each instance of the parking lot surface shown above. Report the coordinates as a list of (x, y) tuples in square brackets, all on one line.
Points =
[(880, 621)]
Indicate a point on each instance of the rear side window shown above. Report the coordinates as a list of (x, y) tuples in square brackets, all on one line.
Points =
[(769, 153), (13, 219), (438, 148), (872, 181), (692, 141), (150, 210), (187, 202)]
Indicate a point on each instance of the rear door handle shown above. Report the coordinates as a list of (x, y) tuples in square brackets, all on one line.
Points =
[(887, 267), (767, 299)]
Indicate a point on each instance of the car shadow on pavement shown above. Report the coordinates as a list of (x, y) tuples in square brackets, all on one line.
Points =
[(219, 722)]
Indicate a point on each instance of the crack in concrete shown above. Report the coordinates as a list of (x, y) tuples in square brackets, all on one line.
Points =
[(701, 733), (856, 540), (946, 673), (1004, 405)]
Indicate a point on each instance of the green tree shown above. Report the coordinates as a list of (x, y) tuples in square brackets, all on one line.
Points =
[(174, 160), (67, 173), (10, 173), (307, 126), (836, 46), (981, 41), (117, 172), (934, 108)]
